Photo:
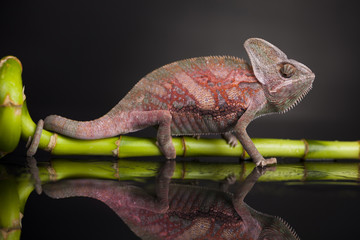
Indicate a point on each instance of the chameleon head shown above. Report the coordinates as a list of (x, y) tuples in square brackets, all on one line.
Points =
[(285, 81)]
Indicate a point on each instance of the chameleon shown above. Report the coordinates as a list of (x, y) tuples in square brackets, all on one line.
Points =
[(198, 96), (178, 210)]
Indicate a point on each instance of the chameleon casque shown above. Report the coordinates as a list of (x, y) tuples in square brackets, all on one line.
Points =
[(196, 96), (180, 211)]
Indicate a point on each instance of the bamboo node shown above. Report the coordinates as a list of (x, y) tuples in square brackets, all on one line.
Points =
[(115, 166), (8, 102), (4, 59), (183, 170), (52, 143), (116, 151), (183, 146), (16, 223), (243, 170), (305, 175), (243, 154), (52, 173), (306, 151), (5, 232), (23, 93)]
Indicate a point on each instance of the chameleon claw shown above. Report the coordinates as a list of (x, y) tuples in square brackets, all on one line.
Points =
[(233, 142), (262, 170), (266, 162), (230, 139), (230, 179)]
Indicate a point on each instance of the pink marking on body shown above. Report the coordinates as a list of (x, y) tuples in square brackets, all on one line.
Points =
[(202, 95)]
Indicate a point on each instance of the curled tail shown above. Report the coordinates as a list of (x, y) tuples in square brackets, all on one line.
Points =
[(99, 128)]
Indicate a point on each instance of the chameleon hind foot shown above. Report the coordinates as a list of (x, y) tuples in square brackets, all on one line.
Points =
[(36, 139), (167, 170), (168, 149), (265, 162)]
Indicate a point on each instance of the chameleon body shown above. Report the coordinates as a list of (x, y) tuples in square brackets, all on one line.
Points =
[(205, 95), (180, 211)]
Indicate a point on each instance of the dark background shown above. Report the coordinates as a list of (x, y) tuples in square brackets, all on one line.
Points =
[(81, 57)]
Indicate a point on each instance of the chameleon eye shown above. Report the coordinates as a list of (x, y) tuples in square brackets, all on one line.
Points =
[(287, 70)]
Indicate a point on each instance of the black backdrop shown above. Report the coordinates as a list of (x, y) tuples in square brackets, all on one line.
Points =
[(81, 57)]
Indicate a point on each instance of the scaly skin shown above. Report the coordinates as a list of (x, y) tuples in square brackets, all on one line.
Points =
[(205, 95), (180, 211)]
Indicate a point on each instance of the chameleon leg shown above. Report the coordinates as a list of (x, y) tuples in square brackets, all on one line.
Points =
[(36, 139), (242, 191), (159, 204), (249, 146), (162, 118), (230, 139), (162, 185)]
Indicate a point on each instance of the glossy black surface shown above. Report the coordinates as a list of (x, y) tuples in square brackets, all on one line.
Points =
[(316, 211)]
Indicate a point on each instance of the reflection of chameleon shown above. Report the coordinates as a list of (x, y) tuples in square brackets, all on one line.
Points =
[(200, 96), (180, 211)]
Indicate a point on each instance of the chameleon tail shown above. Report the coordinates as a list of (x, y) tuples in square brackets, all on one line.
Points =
[(79, 187), (99, 128)]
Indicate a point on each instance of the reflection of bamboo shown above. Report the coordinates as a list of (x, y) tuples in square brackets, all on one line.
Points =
[(10, 215), (11, 100), (132, 170), (14, 190)]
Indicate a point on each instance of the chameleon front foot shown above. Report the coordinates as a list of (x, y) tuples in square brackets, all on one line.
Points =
[(265, 162), (36, 139), (230, 139)]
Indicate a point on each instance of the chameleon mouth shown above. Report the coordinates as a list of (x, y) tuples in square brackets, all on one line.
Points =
[(299, 99), (292, 230)]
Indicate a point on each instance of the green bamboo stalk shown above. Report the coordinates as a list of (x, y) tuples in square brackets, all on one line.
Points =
[(10, 215), (11, 100)]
